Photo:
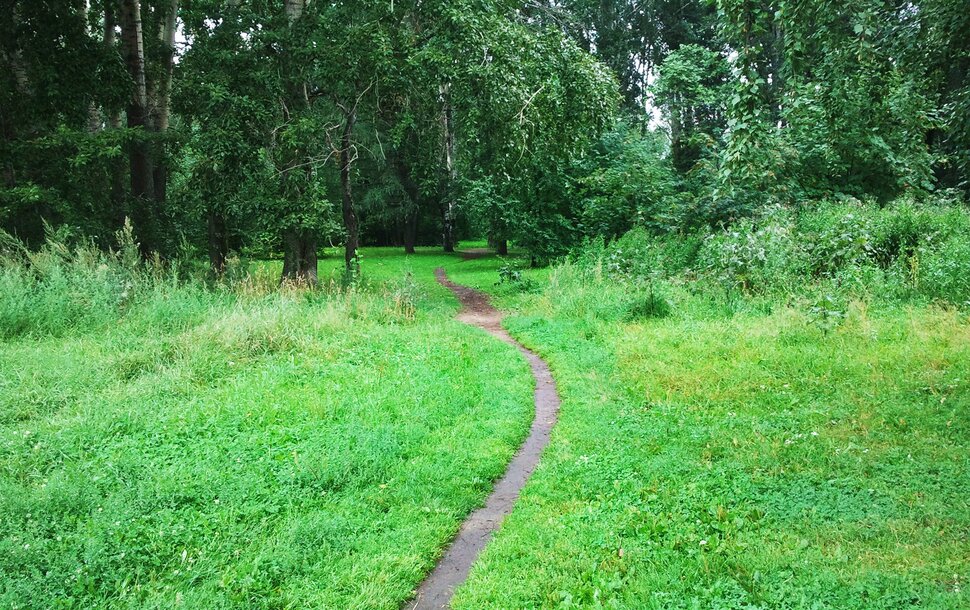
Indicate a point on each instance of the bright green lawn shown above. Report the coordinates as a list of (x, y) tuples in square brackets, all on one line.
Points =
[(269, 451), (740, 460), (290, 452)]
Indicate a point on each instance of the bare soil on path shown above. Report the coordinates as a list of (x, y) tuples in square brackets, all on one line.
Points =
[(453, 567), (473, 253)]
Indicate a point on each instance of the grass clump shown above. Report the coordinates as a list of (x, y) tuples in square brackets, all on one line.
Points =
[(69, 286)]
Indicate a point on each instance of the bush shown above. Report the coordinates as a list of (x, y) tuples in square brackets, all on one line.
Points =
[(755, 255), (651, 304), (639, 255), (943, 272), (906, 250), (511, 276), (845, 239)]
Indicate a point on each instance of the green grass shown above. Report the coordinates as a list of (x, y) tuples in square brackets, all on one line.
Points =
[(739, 456), (259, 451), (251, 449)]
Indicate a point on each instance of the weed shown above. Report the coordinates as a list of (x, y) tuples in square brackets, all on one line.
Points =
[(512, 276)]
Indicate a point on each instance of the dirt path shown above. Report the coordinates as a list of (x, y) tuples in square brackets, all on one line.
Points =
[(452, 569), (473, 253)]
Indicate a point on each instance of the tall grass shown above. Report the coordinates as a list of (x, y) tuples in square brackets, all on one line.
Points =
[(66, 287), (70, 287), (167, 439), (829, 254)]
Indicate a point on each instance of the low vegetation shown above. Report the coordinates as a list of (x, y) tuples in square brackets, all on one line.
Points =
[(167, 442), (737, 230), (745, 423), (792, 436)]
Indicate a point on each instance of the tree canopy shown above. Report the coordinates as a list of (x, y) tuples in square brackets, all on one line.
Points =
[(277, 127)]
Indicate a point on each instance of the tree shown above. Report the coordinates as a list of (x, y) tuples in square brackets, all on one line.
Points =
[(290, 153), (281, 126), (55, 169), (160, 93), (631, 37), (536, 103), (691, 90), (139, 149)]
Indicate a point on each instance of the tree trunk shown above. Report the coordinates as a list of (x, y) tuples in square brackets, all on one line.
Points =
[(7, 131), (16, 62), (218, 242), (677, 148), (300, 257), (350, 215), (15, 59), (95, 116), (299, 245), (109, 39), (410, 228), (119, 211), (163, 94), (448, 206), (8, 126), (139, 153), (502, 246), (95, 121), (293, 9), (777, 67), (166, 35)]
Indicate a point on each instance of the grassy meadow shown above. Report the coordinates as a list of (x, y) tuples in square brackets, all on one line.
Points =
[(730, 436), (747, 424), (242, 447), (752, 460)]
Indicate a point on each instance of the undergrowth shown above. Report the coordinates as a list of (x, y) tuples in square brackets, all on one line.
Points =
[(167, 440)]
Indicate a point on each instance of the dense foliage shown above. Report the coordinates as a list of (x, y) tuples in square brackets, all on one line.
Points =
[(835, 250), (280, 126)]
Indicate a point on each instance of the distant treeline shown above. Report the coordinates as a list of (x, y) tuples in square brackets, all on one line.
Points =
[(279, 127)]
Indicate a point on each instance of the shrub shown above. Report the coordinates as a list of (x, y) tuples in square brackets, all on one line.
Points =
[(651, 304), (755, 255), (847, 248), (943, 271), (845, 238), (511, 276)]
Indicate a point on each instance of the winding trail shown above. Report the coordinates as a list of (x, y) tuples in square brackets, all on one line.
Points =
[(473, 253), (453, 567)]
